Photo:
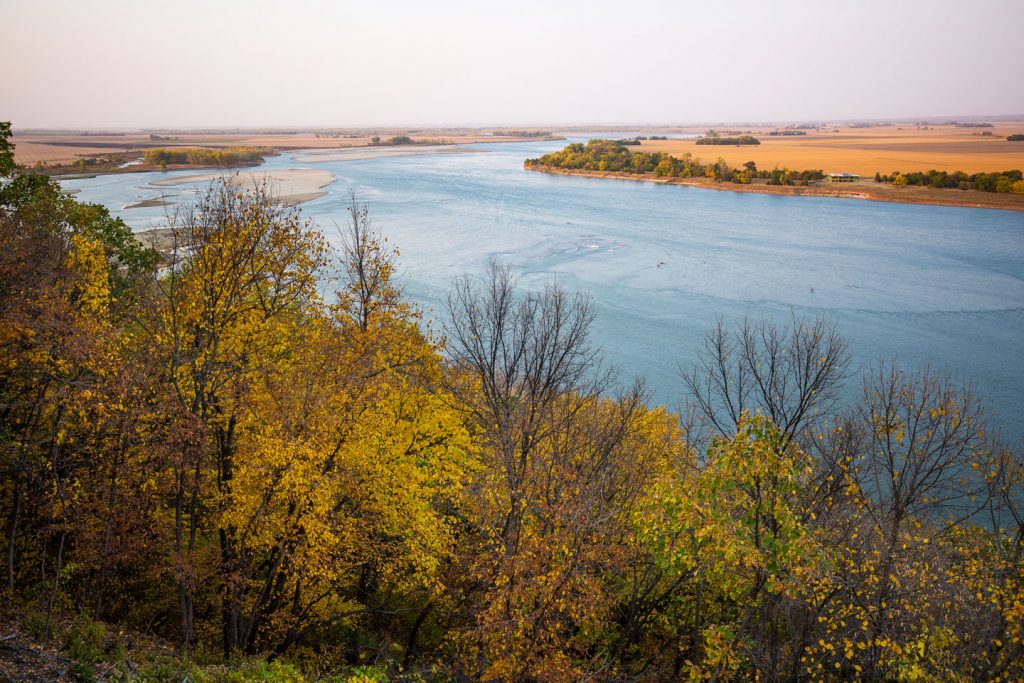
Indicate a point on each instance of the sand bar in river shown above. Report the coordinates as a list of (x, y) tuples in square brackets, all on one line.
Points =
[(292, 186)]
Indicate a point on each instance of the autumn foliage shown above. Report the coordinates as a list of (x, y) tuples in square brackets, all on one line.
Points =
[(255, 445)]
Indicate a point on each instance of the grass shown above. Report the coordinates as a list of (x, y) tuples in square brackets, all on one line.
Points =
[(84, 650)]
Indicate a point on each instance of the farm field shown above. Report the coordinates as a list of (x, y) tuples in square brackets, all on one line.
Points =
[(865, 151)]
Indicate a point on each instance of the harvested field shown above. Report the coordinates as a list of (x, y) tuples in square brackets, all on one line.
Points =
[(866, 151)]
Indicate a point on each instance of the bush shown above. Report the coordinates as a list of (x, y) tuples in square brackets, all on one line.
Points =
[(364, 674), (85, 642)]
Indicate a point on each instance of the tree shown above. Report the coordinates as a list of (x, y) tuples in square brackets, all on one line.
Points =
[(7, 164), (790, 373), (563, 469), (241, 267)]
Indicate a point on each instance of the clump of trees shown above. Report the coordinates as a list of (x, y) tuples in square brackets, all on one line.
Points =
[(1016, 137), (212, 450), (1004, 182), (400, 140), (614, 156), (199, 156), (634, 141), (713, 138)]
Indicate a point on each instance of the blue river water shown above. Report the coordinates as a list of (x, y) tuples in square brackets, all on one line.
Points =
[(926, 285)]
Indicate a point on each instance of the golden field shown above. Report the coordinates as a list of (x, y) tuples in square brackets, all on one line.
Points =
[(866, 151)]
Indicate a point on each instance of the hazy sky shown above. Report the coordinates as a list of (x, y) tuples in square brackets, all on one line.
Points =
[(431, 62)]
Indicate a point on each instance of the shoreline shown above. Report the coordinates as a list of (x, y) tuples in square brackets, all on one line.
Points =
[(68, 173), (125, 153), (302, 155), (867, 190)]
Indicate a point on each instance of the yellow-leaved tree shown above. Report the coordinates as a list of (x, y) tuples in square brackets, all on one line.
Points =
[(328, 461)]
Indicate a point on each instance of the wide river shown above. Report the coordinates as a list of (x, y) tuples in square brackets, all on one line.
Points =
[(927, 285)]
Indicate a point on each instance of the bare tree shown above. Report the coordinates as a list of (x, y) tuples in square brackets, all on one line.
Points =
[(524, 351), (925, 444), (792, 373), (369, 265)]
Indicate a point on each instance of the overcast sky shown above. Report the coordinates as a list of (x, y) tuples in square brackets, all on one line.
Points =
[(93, 63)]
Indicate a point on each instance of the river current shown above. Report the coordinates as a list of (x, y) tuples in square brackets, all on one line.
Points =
[(928, 285)]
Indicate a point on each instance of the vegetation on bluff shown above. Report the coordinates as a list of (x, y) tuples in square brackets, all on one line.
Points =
[(200, 156), (217, 454)]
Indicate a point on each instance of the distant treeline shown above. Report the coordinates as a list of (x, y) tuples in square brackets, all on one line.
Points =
[(1016, 137), (713, 138), (376, 141), (613, 156), (197, 156), (522, 133), (788, 132), (1005, 181), (962, 124)]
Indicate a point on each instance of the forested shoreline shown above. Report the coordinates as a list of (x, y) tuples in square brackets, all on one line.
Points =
[(615, 157), (278, 483)]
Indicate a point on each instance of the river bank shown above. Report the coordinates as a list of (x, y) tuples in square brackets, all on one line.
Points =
[(862, 189)]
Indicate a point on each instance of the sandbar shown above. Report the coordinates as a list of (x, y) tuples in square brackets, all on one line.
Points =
[(357, 153), (292, 186), (151, 202)]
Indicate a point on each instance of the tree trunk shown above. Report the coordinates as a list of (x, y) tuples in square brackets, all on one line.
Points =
[(12, 532)]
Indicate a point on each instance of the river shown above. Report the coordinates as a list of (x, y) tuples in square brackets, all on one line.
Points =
[(928, 285)]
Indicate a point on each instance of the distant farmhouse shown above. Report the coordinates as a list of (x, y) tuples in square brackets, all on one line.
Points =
[(843, 177)]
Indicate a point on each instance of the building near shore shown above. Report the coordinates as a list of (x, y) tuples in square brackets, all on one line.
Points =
[(842, 177)]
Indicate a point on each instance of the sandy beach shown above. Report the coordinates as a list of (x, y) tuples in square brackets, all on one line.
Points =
[(292, 186)]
